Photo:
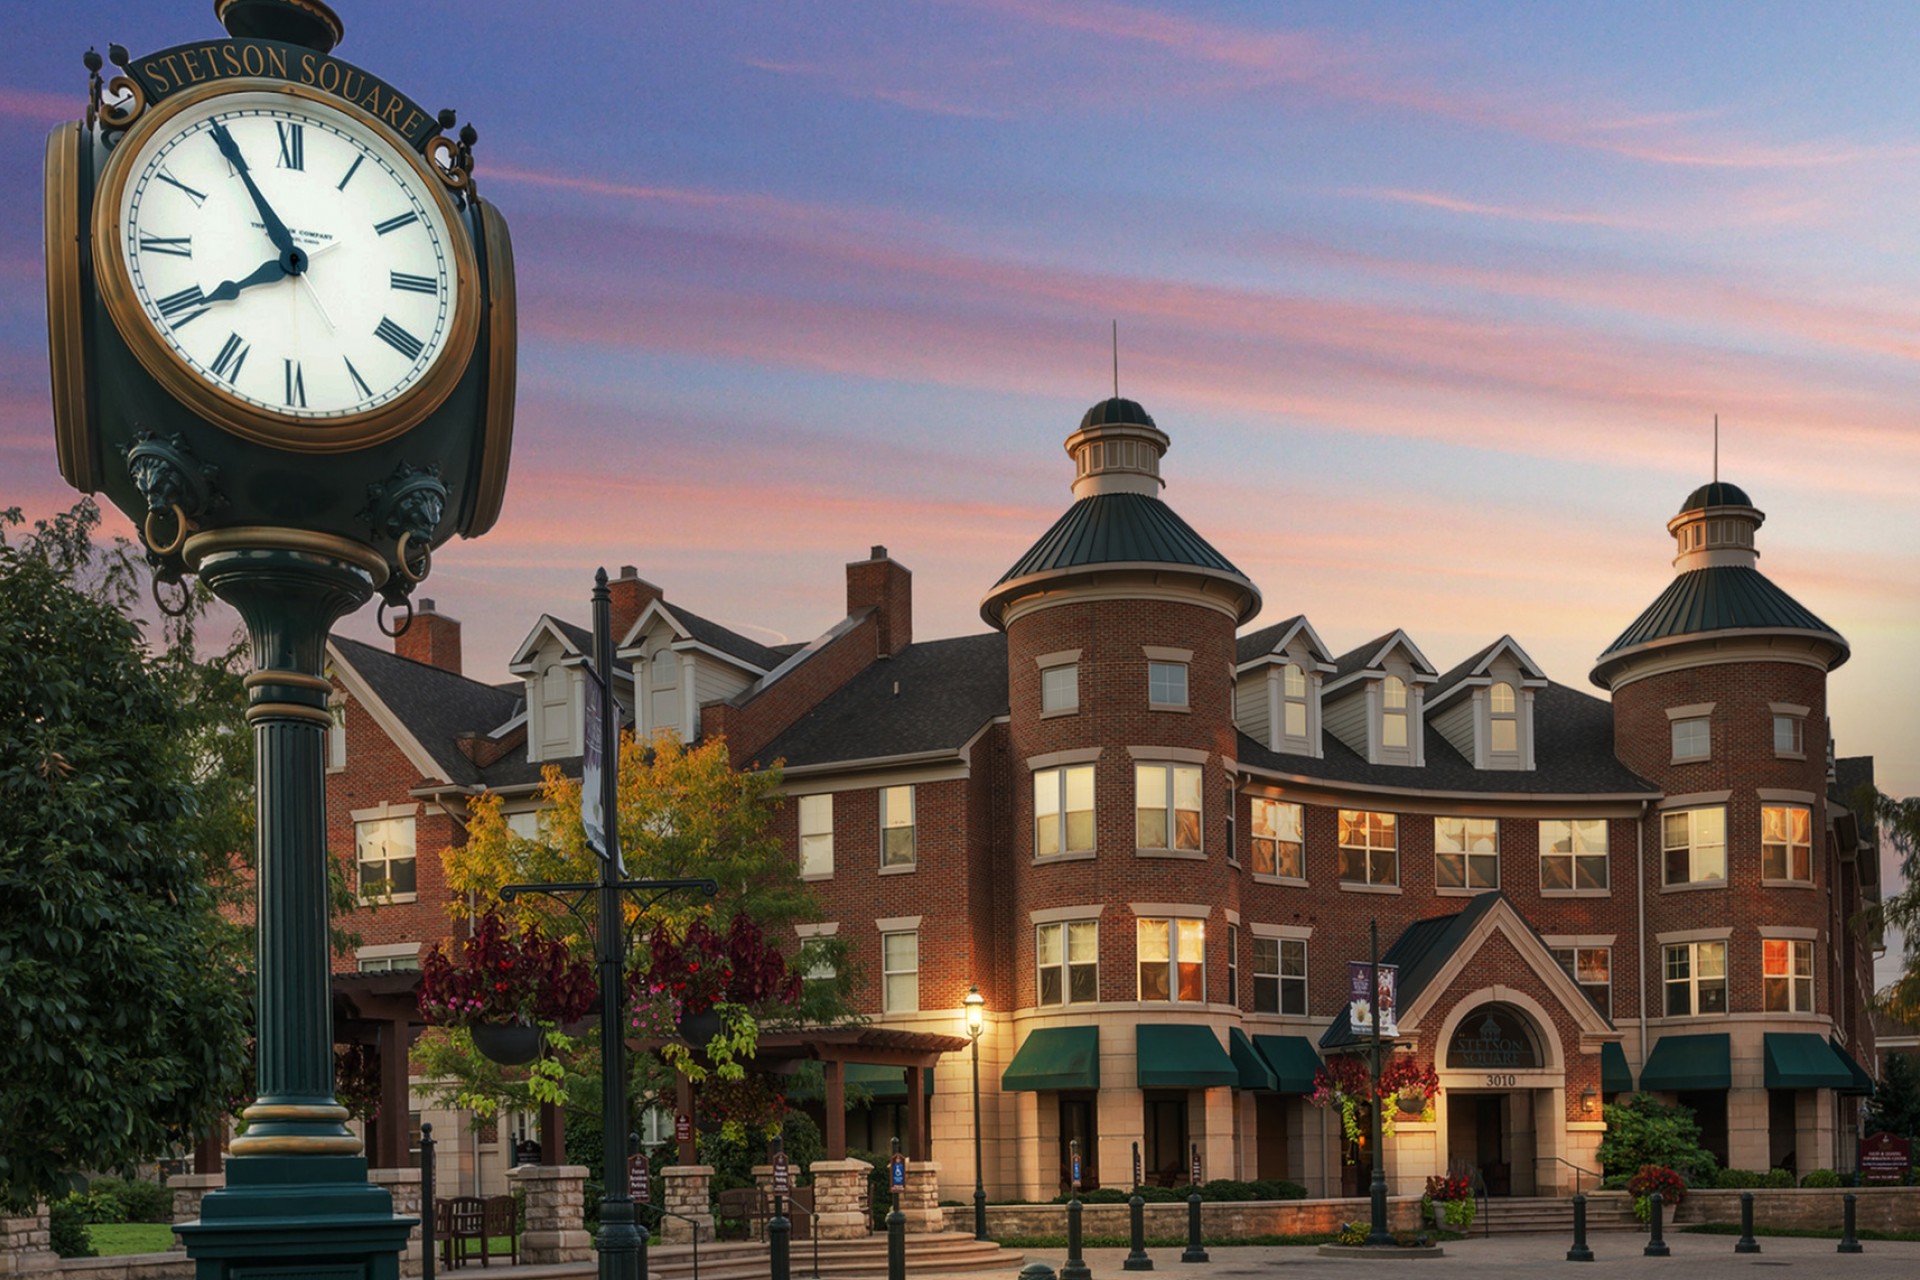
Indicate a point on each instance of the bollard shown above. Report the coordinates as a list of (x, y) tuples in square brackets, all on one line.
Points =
[(1037, 1271), (1137, 1259), (1656, 1242), (1579, 1252), (779, 1228), (1075, 1267), (426, 1202), (1847, 1243), (1746, 1243), (896, 1223)]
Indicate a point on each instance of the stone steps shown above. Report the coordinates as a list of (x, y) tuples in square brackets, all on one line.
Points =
[(1552, 1215), (939, 1253)]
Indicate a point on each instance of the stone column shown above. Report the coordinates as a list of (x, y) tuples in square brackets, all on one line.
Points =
[(404, 1186), (25, 1243), (920, 1201), (840, 1198), (188, 1190), (556, 1213), (686, 1188)]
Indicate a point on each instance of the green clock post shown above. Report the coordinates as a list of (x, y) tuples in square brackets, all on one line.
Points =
[(282, 332)]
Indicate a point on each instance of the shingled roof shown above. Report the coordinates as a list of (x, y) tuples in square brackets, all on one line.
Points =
[(436, 706)]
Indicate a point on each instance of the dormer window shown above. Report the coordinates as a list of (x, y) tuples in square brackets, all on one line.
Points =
[(1293, 700), (1393, 718), (1505, 724)]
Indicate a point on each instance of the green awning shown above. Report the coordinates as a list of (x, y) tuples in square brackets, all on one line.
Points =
[(1056, 1058), (1689, 1062), (883, 1084), (1294, 1061), (1800, 1060), (1862, 1083), (1615, 1075), (1181, 1055), (1253, 1069)]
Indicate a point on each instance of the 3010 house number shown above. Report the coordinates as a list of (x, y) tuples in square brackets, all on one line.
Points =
[(1501, 1081)]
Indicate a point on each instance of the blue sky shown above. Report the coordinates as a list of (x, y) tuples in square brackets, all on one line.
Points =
[(1436, 301)]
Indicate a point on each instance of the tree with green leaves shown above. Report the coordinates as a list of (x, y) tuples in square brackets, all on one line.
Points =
[(1896, 1099), (1899, 825), (126, 767)]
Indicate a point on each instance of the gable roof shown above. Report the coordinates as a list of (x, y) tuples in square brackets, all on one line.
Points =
[(432, 705), (933, 696), (1455, 679), (710, 634), (1370, 655), (1257, 644), (1419, 952)]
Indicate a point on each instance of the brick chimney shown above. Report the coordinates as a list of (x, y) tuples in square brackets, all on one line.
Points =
[(631, 595), (879, 583), (432, 638)]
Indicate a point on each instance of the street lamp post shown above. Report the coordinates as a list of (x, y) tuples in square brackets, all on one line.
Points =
[(976, 1023), (1378, 1233)]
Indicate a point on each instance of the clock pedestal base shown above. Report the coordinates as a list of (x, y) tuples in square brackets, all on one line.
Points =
[(289, 1217)]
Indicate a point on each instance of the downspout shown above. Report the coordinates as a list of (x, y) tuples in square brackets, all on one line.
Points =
[(1640, 906)]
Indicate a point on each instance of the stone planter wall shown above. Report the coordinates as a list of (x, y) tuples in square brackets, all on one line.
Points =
[(1818, 1208), (556, 1213), (1220, 1220), (25, 1244), (686, 1191)]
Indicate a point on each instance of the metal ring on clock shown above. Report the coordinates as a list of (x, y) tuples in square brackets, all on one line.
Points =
[(406, 570), (186, 598), (443, 159), (380, 621), (181, 529)]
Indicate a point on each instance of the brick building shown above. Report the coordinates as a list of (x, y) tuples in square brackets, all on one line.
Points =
[(1155, 841)]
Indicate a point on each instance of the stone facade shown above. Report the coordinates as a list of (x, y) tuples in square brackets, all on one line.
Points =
[(920, 1201), (189, 1189), (556, 1208), (840, 1198), (688, 1201), (404, 1186)]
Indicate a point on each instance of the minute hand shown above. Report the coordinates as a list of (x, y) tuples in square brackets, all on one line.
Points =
[(276, 229)]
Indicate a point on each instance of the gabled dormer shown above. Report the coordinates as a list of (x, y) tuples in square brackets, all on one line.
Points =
[(682, 661), (550, 660), (1374, 700), (1276, 686), (1484, 706)]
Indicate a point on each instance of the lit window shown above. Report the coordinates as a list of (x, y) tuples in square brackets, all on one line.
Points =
[(1696, 979), (1060, 688), (1167, 684), (1280, 975), (896, 827), (1786, 979), (1293, 691), (389, 964), (337, 734), (1573, 854), (1069, 959), (384, 848), (1233, 965), (1786, 843), (1694, 846), (1172, 959), (816, 835), (1788, 736), (1166, 811), (1504, 728), (1063, 811), (1369, 848), (900, 967), (1592, 968), (1691, 739), (524, 823), (1466, 853), (1278, 849), (1393, 720)]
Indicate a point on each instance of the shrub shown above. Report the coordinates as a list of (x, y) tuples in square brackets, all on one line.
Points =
[(1821, 1178), (67, 1223), (1645, 1131), (102, 1204), (1779, 1178), (1738, 1179), (139, 1201), (1353, 1233)]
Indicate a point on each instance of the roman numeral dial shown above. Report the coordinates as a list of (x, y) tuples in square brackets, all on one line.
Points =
[(210, 205)]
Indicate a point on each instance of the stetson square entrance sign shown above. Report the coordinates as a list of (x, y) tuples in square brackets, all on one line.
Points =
[(282, 334)]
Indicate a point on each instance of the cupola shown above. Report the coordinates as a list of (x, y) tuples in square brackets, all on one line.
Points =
[(1117, 450), (1715, 526)]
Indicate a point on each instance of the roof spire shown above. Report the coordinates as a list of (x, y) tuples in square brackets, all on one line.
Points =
[(1716, 448), (1116, 359)]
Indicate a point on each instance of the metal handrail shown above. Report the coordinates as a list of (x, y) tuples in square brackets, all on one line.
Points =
[(694, 1233), (1577, 1170)]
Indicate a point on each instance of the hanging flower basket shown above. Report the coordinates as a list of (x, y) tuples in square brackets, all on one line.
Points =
[(511, 1044), (699, 1029)]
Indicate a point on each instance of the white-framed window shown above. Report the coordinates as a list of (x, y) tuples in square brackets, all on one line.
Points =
[(384, 850), (1060, 688), (1692, 739), (656, 1126), (1466, 853), (1369, 847), (1166, 813), (1279, 848), (395, 957), (1573, 855), (1694, 846), (1592, 968), (1233, 964), (900, 971), (1789, 736), (1393, 714), (816, 960), (1696, 978), (816, 836), (1786, 975), (896, 827), (1293, 700), (1167, 684), (336, 734), (1067, 953), (1786, 843), (1063, 810), (1504, 726), (524, 823), (1280, 975), (1172, 959)]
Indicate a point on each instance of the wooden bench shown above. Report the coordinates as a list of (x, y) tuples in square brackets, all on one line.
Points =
[(740, 1213), (467, 1226)]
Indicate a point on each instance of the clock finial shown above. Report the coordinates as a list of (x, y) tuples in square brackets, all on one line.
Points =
[(308, 23)]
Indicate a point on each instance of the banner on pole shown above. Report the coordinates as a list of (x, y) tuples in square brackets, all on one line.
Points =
[(1360, 999), (593, 813)]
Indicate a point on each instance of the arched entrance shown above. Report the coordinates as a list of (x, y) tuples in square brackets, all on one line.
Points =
[(1499, 1078)]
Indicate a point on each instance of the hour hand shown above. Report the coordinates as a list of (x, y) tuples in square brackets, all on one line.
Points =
[(228, 290), (276, 229)]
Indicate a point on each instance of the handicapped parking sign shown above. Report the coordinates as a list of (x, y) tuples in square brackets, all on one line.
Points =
[(897, 1173)]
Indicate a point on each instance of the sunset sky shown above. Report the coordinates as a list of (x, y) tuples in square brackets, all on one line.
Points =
[(1436, 301)]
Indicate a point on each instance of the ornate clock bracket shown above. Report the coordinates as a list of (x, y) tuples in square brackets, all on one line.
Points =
[(406, 507), (178, 488)]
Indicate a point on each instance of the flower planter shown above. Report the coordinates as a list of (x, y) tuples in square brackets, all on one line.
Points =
[(697, 1029), (510, 1044)]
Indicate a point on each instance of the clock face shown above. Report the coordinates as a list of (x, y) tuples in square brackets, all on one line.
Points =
[(290, 257)]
